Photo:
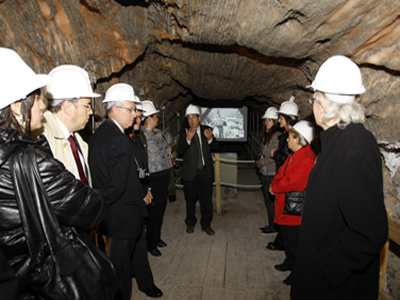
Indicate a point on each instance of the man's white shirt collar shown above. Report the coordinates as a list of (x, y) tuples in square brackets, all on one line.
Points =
[(119, 126)]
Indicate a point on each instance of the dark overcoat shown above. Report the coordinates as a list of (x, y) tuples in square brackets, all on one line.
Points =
[(344, 223), (114, 173)]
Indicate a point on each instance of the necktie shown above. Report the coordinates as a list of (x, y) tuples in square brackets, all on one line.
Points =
[(74, 148), (200, 164)]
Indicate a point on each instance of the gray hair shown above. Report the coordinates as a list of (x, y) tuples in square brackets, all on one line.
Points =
[(55, 105), (347, 113), (110, 104)]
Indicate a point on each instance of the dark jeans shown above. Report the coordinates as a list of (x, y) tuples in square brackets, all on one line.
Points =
[(269, 199), (159, 189), (199, 189)]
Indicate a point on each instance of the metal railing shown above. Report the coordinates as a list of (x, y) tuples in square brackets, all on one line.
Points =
[(218, 183)]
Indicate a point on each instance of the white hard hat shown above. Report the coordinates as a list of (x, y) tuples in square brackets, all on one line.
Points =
[(305, 129), (271, 113), (68, 82), (139, 106), (121, 92), (148, 108), (340, 78), (289, 108), (192, 109), (17, 79)]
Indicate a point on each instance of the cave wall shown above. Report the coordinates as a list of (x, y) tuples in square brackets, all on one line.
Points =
[(177, 51)]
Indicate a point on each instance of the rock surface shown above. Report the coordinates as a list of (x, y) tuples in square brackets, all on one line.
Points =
[(257, 52)]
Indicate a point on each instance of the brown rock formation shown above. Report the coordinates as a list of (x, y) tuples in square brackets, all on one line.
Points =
[(259, 52)]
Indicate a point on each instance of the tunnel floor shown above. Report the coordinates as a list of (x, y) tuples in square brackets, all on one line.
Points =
[(233, 264)]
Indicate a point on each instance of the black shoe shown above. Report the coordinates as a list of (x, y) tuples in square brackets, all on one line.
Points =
[(267, 231), (155, 252), (161, 244), (272, 246), (189, 229), (209, 230), (288, 280), (283, 267), (153, 292), (262, 228)]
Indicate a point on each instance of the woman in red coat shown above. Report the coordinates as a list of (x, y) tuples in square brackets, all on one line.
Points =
[(292, 177)]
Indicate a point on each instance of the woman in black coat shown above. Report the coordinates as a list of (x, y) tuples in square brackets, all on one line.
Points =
[(74, 203), (344, 224)]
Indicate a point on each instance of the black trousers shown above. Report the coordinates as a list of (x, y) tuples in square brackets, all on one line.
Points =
[(159, 188), (290, 236), (130, 259), (268, 199), (201, 189)]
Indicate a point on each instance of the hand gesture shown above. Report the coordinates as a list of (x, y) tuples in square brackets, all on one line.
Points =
[(271, 153), (208, 133), (190, 132)]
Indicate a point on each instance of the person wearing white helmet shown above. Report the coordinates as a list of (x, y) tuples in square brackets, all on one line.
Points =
[(267, 165), (195, 145), (69, 95), (117, 173), (344, 224), (75, 204), (292, 178), (160, 165), (287, 116)]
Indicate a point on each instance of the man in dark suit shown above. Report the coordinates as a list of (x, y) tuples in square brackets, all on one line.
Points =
[(195, 145), (115, 173)]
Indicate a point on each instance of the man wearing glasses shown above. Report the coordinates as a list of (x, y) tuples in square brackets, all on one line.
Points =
[(69, 94), (116, 174)]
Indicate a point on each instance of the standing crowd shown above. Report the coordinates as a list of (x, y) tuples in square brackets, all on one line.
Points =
[(60, 195), (329, 211)]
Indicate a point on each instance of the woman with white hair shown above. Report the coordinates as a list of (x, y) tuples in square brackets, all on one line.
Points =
[(344, 222), (290, 182)]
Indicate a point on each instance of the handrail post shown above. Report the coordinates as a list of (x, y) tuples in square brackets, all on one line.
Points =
[(218, 182)]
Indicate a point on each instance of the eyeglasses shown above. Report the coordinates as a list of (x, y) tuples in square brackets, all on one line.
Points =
[(128, 109), (87, 106), (311, 100), (193, 117)]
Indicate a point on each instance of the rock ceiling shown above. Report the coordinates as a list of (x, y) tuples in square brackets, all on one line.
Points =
[(236, 51)]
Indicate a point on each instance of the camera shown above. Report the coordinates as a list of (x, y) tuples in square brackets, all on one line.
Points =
[(259, 157), (143, 173)]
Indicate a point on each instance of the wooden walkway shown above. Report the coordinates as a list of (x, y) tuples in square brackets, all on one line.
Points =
[(234, 264)]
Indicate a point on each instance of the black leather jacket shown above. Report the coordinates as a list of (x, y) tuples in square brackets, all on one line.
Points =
[(283, 150), (74, 203)]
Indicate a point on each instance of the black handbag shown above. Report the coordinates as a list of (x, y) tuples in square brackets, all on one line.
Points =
[(64, 262), (294, 202)]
